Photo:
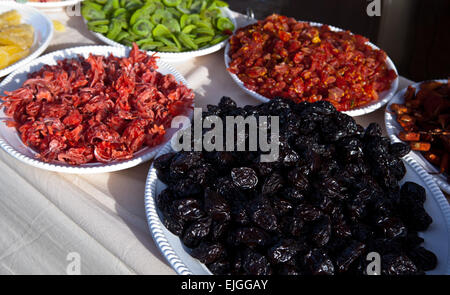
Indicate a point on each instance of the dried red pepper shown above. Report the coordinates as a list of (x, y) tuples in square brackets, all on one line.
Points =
[(280, 57), (96, 109)]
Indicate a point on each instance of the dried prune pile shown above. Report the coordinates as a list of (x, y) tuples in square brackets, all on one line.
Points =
[(332, 197)]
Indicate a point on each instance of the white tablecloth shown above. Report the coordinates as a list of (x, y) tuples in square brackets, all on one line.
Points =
[(45, 216)]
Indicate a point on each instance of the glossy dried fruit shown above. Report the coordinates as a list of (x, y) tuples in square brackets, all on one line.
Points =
[(244, 177), (280, 57), (332, 197)]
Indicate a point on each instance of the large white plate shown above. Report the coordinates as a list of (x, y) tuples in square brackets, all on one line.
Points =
[(43, 32), (437, 237), (393, 128), (384, 96), (13, 145), (178, 56)]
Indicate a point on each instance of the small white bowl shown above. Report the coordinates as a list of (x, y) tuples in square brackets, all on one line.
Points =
[(384, 96), (43, 32), (393, 128), (177, 56), (13, 145), (436, 237)]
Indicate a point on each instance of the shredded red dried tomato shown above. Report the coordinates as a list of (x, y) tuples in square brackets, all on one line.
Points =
[(280, 57), (96, 109)]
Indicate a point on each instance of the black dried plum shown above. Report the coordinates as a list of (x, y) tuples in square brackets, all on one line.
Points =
[(216, 206), (281, 206), (318, 263), (350, 149), (348, 255), (342, 230), (412, 192), (265, 168), (262, 214), (362, 232), (185, 188), (250, 236), (188, 209), (221, 267), (287, 270), (413, 240), (373, 130), (227, 103), (224, 160), (330, 198), (307, 212), (293, 194), (256, 264), (240, 215), (393, 264), (392, 227), (219, 231), (289, 157), (194, 233), (283, 251), (321, 232), (182, 162), (208, 252), (164, 200), (292, 226), (162, 166), (244, 177), (272, 184), (173, 224), (399, 149), (202, 174), (423, 258), (298, 179)]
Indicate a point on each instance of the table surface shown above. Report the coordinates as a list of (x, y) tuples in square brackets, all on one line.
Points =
[(45, 217)]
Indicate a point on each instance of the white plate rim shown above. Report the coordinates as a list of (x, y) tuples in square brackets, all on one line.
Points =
[(140, 157), (176, 56), (369, 108), (53, 4), (40, 49), (176, 262), (392, 127)]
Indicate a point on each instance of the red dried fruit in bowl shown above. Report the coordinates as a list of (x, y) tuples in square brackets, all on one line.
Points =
[(98, 109)]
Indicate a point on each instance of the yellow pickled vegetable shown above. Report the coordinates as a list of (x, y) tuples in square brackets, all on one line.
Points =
[(20, 35), (11, 54), (10, 18), (16, 39)]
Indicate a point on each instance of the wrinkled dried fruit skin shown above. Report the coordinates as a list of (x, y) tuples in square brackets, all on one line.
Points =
[(319, 263), (262, 214), (399, 149), (198, 230), (398, 265), (423, 258), (256, 264), (244, 178), (188, 209), (250, 236), (208, 253), (216, 206), (331, 198), (348, 255), (283, 251)]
